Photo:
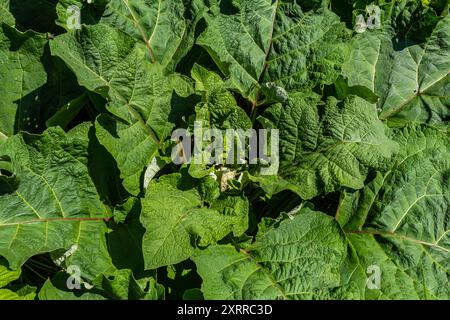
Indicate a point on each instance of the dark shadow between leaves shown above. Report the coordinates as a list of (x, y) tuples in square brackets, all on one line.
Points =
[(37, 15), (125, 243), (104, 172), (182, 108)]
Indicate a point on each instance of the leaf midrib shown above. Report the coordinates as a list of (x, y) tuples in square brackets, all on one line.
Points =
[(420, 91), (133, 112), (45, 220), (406, 103), (141, 29), (398, 236)]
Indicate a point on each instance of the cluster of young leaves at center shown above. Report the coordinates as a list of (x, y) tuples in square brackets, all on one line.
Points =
[(86, 178)]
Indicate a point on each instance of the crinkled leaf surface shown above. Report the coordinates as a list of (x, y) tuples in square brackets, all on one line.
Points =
[(307, 49), (218, 107), (137, 90), (271, 41), (412, 84), (370, 57), (356, 208), (51, 203), (21, 74), (286, 262), (160, 25), (331, 150), (134, 144), (176, 221), (164, 28), (400, 220)]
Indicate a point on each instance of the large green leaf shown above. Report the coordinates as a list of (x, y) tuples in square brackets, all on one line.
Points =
[(160, 25), (413, 84), (303, 258), (218, 108), (400, 220), (176, 221), (138, 92), (98, 56), (134, 144), (164, 28), (307, 49), (102, 166), (368, 62), (50, 202), (22, 73), (420, 82), (321, 153), (276, 42), (239, 43)]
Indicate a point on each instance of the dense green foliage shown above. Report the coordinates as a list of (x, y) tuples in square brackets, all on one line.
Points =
[(92, 206)]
